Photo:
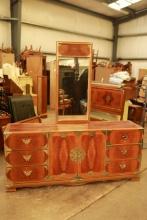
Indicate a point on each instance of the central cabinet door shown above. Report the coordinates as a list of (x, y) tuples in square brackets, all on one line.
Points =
[(77, 155)]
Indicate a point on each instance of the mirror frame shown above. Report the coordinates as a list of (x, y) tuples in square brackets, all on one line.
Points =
[(79, 50)]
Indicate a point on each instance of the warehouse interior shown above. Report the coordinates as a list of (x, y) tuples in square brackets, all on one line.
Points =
[(73, 121)]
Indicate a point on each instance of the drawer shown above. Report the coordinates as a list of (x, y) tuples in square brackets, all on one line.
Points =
[(123, 151), (26, 157), (125, 137), (27, 173), (26, 141), (122, 166)]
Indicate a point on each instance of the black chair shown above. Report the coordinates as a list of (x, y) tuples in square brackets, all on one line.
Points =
[(21, 107)]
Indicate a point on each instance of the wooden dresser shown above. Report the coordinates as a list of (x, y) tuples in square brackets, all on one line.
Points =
[(40, 154)]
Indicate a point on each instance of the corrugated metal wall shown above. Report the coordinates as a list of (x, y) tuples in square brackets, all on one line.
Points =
[(57, 23), (5, 27), (132, 43)]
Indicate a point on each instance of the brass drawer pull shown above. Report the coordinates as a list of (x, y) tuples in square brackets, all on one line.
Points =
[(122, 166), (124, 137), (27, 172), (124, 151), (26, 140), (27, 158)]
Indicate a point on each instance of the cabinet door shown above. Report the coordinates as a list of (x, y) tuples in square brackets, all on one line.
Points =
[(93, 148), (61, 164)]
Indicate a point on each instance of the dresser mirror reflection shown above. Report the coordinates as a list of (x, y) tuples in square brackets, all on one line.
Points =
[(73, 81)]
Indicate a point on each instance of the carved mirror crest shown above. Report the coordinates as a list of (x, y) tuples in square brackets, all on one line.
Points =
[(74, 66)]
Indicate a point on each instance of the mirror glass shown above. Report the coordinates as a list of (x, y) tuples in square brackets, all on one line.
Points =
[(73, 87)]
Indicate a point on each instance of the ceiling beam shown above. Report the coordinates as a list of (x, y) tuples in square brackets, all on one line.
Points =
[(115, 42), (81, 9), (129, 17)]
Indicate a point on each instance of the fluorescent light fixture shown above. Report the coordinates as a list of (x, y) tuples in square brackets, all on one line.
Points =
[(114, 5), (133, 1), (119, 4)]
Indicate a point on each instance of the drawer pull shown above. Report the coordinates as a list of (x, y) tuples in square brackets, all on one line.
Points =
[(27, 157), (124, 137), (124, 151), (122, 166), (26, 140), (27, 172)]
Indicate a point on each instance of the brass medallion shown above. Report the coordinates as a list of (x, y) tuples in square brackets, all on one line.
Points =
[(77, 154)]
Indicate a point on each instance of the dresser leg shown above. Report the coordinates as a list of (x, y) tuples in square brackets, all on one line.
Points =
[(11, 189)]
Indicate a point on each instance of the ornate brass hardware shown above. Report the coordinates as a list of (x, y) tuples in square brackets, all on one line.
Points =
[(124, 137), (77, 154), (122, 166), (26, 140), (27, 172), (124, 151), (27, 157)]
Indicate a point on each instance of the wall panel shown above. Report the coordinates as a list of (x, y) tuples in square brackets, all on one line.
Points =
[(53, 15), (135, 26), (5, 27), (48, 14), (133, 46), (5, 34), (4, 8), (47, 40)]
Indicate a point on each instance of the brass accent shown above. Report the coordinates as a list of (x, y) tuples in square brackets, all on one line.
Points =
[(77, 154), (27, 157), (124, 137), (26, 140), (90, 173), (27, 172), (122, 166), (124, 151)]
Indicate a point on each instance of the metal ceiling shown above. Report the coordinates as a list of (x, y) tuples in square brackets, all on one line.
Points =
[(101, 9)]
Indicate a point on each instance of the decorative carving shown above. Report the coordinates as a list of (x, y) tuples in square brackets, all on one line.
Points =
[(108, 98), (124, 151), (27, 157), (77, 154), (26, 140), (27, 172), (122, 166), (63, 155), (91, 154), (75, 49)]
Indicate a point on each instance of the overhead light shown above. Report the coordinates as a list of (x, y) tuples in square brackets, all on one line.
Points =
[(119, 4)]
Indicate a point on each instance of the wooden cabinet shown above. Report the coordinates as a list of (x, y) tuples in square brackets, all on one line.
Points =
[(41, 154)]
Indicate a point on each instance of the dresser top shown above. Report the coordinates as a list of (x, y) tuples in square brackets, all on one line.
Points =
[(91, 126)]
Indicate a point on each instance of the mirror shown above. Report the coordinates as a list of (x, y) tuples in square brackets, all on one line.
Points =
[(73, 81)]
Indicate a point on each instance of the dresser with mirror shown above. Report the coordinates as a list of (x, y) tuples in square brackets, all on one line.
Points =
[(74, 150)]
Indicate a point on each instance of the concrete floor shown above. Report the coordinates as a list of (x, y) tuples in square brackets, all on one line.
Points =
[(120, 200)]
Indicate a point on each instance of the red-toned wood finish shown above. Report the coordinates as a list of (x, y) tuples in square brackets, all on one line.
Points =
[(42, 94), (74, 49), (39, 154), (4, 119), (107, 99)]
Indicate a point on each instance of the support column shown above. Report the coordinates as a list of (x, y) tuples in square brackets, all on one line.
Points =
[(115, 41), (15, 7)]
